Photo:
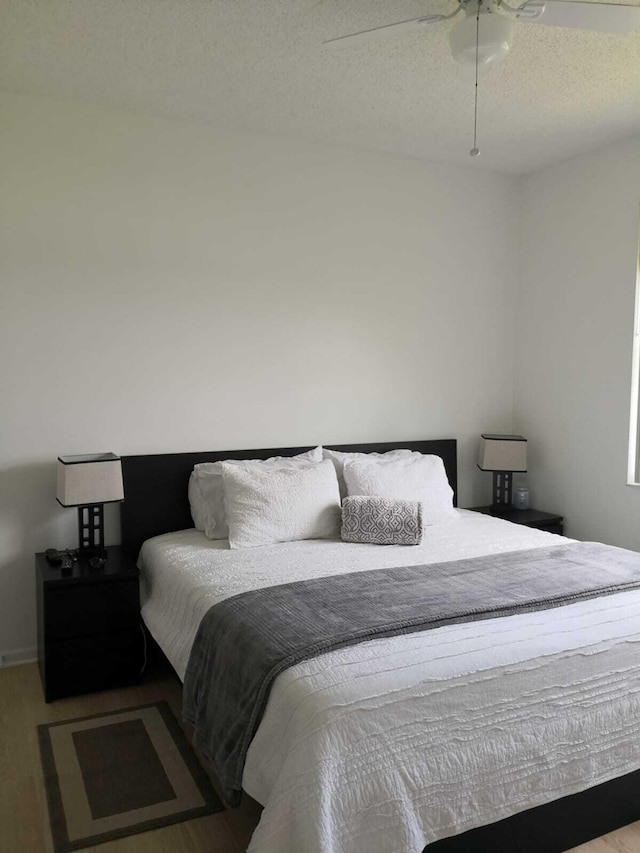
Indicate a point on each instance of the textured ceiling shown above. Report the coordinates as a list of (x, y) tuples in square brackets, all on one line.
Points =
[(261, 66)]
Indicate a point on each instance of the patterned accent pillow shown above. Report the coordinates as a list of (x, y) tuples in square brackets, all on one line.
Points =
[(381, 521)]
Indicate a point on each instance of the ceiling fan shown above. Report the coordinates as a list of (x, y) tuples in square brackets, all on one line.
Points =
[(483, 36), (486, 25)]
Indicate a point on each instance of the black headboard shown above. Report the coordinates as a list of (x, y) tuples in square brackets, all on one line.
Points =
[(155, 487)]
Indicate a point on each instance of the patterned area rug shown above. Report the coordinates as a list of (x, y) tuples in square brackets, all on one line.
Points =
[(117, 774)]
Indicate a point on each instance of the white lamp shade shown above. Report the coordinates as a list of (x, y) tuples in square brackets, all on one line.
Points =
[(90, 479), (494, 39), (503, 453)]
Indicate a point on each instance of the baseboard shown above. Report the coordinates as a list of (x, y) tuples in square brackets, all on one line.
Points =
[(16, 657)]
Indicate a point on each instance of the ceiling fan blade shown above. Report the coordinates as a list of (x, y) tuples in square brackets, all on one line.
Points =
[(381, 32), (599, 17)]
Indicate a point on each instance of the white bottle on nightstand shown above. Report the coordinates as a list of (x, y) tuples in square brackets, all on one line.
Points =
[(521, 497)]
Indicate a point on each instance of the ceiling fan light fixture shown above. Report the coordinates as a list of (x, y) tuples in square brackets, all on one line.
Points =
[(494, 39)]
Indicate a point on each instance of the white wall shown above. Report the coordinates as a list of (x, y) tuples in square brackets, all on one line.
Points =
[(169, 288), (574, 339)]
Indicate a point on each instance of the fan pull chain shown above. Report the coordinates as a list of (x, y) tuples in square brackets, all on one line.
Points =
[(475, 150)]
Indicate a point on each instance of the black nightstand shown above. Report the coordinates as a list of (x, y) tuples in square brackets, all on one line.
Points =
[(90, 636), (529, 517)]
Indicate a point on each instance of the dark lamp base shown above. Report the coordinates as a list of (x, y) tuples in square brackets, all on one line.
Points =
[(502, 492), (91, 531)]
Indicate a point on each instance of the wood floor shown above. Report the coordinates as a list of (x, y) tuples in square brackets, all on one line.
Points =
[(24, 822), (24, 826)]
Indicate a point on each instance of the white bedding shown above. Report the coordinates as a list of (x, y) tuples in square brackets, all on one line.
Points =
[(394, 743)]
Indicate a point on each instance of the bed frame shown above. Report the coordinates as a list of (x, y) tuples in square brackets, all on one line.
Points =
[(156, 502)]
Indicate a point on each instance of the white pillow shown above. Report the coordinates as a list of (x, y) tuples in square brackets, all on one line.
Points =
[(338, 457), (417, 478), (206, 489), (265, 506)]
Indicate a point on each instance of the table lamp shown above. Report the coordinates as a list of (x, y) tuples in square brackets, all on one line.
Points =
[(503, 455), (89, 482)]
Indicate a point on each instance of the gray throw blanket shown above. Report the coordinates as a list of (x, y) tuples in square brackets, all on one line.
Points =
[(244, 642)]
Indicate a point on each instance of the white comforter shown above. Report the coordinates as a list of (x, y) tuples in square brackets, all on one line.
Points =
[(392, 744)]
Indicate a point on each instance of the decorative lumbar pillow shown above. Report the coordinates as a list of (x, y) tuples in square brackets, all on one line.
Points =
[(265, 506), (206, 490), (416, 478), (381, 521), (339, 457)]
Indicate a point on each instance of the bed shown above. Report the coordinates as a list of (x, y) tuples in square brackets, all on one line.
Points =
[(357, 715)]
